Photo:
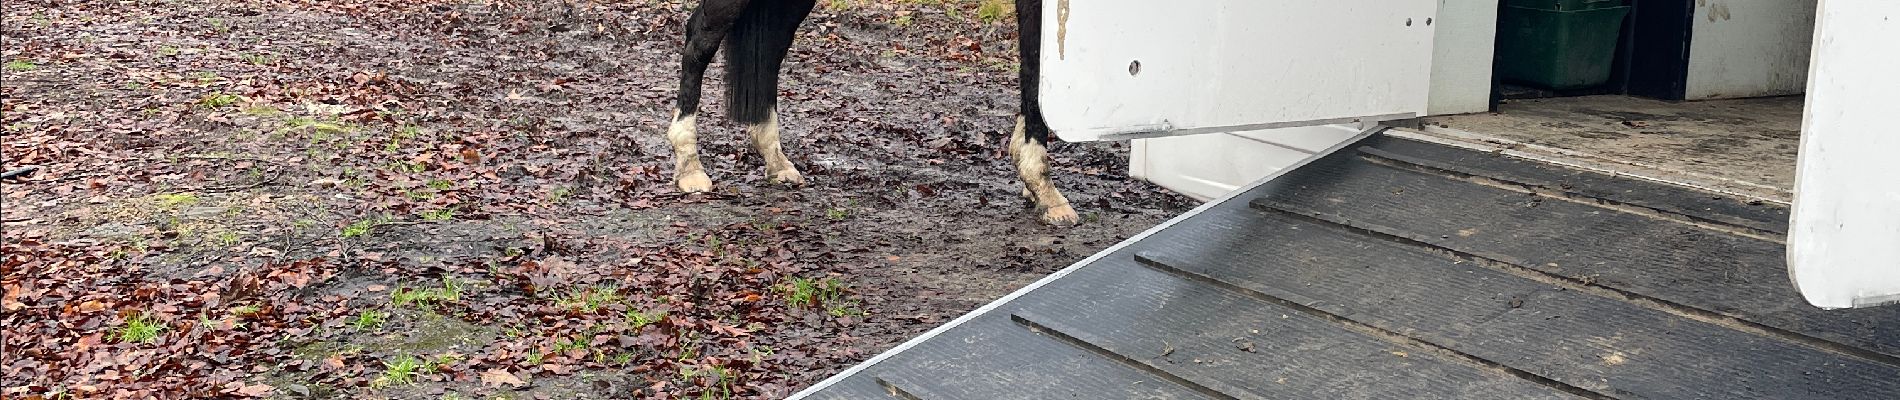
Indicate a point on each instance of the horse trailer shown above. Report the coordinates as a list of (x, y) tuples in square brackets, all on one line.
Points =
[(1461, 199)]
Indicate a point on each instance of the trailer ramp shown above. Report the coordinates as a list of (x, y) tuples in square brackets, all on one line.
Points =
[(1394, 268)]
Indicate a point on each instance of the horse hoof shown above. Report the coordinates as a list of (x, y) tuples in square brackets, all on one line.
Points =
[(1062, 215), (695, 182), (788, 177)]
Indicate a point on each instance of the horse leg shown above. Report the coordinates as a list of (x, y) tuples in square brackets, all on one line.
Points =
[(755, 51), (778, 169), (1029, 142), (704, 30), (1031, 154)]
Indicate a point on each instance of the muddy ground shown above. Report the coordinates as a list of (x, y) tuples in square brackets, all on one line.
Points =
[(472, 199)]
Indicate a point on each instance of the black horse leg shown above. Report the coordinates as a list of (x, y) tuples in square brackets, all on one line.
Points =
[(755, 50), (1029, 144), (704, 30)]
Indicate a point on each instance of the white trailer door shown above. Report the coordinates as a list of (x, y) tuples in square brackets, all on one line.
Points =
[(1844, 240), (1124, 69)]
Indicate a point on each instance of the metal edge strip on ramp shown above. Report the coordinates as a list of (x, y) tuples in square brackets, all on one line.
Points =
[(999, 302)]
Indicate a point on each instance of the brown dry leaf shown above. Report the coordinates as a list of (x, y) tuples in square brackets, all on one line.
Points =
[(295, 279), (498, 376), (87, 342), (12, 299), (91, 306), (258, 390), (722, 328)]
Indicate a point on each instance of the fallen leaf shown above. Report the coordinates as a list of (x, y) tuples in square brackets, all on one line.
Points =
[(11, 300), (258, 390), (87, 342), (296, 280), (727, 329), (91, 306), (498, 376)]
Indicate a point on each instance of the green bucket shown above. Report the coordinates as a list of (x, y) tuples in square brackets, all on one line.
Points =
[(1558, 50), (1564, 5)]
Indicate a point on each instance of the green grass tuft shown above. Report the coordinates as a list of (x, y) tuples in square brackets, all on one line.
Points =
[(369, 320), (640, 319), (444, 214), (175, 200), (258, 59), (140, 328), (590, 299), (449, 291), (359, 228), (246, 310), (827, 293), (21, 66), (722, 380), (993, 11), (218, 100), (401, 372), (226, 238), (564, 345)]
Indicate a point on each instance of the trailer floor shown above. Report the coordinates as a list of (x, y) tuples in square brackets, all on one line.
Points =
[(1743, 145), (1395, 268)]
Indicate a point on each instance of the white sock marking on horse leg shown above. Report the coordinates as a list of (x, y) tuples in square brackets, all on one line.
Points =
[(687, 172), (1032, 166), (765, 139)]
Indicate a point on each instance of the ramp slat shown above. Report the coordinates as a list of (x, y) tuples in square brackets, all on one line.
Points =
[(1418, 270), (1712, 270)]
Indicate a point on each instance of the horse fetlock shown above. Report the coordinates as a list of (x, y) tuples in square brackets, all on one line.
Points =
[(1017, 138), (687, 171), (787, 176), (1062, 215), (765, 139), (694, 181), (1032, 166)]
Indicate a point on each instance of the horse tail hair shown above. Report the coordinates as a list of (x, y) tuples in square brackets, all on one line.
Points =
[(755, 49)]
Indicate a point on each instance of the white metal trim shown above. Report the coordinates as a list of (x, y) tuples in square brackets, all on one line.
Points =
[(1269, 143), (998, 303), (1166, 130)]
